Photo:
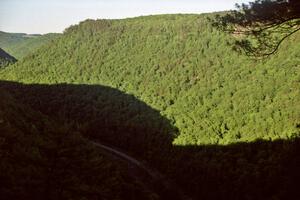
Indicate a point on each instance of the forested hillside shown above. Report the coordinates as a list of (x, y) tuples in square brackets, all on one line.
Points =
[(183, 67), (220, 124), (5, 58), (20, 44)]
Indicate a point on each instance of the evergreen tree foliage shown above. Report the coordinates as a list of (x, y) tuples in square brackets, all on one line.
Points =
[(265, 23)]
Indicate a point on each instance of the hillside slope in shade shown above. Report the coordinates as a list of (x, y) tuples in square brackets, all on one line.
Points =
[(44, 159), (237, 171), (5, 58)]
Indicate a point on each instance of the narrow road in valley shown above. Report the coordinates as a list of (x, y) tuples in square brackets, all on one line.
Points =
[(153, 179)]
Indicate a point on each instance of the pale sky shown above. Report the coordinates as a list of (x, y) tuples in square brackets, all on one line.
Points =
[(44, 16)]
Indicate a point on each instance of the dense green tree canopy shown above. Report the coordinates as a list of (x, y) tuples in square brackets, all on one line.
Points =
[(220, 124), (183, 67)]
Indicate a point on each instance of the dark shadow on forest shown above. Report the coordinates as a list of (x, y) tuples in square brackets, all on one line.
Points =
[(255, 170)]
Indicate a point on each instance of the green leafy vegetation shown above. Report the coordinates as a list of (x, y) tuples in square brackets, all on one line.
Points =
[(221, 125), (180, 65), (20, 44)]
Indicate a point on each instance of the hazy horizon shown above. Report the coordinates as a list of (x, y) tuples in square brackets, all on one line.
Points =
[(53, 16)]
